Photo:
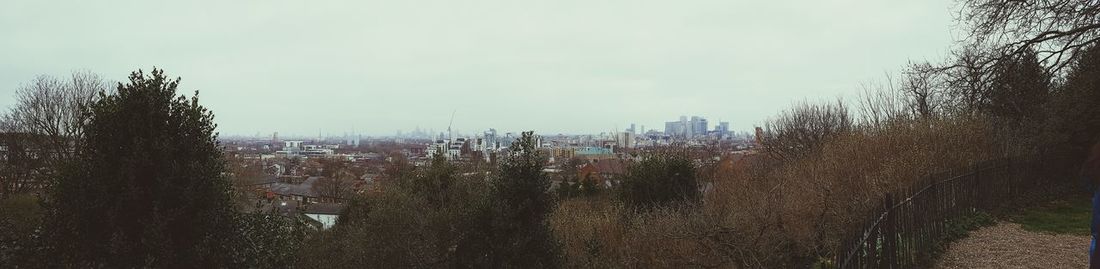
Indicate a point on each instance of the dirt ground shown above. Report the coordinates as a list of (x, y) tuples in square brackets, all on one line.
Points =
[(1007, 245)]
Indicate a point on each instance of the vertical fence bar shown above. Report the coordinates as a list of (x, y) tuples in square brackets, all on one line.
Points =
[(978, 193), (890, 242)]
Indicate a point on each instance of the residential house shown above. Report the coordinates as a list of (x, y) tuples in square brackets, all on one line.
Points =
[(324, 213), (302, 192), (606, 171)]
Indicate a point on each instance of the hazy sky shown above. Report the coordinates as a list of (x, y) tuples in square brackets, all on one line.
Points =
[(573, 66)]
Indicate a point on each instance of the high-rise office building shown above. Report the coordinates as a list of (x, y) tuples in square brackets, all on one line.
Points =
[(723, 128), (625, 139), (698, 126), (674, 128), (685, 127)]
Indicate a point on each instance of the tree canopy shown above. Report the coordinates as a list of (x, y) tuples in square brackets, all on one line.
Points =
[(148, 188), (660, 179)]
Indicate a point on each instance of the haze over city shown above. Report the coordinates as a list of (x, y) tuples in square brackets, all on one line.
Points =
[(829, 134), (377, 67)]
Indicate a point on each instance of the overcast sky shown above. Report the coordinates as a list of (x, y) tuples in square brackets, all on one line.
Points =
[(572, 66)]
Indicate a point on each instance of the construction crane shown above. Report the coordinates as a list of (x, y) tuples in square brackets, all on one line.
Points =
[(450, 135)]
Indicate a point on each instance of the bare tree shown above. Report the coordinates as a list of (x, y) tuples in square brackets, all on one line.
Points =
[(804, 128), (1057, 29), (967, 80), (395, 166), (335, 188), (881, 104), (53, 109), (45, 124), (922, 88)]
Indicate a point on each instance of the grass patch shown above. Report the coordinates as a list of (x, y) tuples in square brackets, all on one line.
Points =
[(1070, 215)]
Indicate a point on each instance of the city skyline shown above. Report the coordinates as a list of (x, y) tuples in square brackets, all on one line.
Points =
[(637, 128)]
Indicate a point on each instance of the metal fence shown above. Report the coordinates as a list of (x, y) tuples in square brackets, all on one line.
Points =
[(912, 222)]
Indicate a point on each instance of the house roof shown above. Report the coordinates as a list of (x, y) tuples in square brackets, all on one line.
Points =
[(592, 151), (586, 170), (304, 189), (324, 208), (612, 166), (282, 207), (261, 180)]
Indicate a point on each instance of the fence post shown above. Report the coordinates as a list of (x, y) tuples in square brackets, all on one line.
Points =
[(1014, 180), (979, 194), (890, 235)]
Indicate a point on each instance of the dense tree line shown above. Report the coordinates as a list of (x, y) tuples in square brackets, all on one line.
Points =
[(442, 215)]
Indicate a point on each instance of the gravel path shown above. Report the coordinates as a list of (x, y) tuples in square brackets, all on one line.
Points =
[(1007, 245)]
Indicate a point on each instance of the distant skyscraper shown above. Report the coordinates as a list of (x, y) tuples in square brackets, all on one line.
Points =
[(353, 139), (703, 126), (491, 139), (723, 128), (673, 128), (698, 126), (685, 127), (625, 139)]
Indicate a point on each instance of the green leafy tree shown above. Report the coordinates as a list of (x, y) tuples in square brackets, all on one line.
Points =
[(1076, 106), (417, 221), (266, 240), (515, 232), (570, 168), (435, 182), (659, 180), (1019, 89), (568, 189), (148, 188), (19, 230), (589, 187)]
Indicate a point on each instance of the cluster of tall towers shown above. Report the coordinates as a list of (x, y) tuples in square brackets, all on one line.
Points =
[(694, 127)]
